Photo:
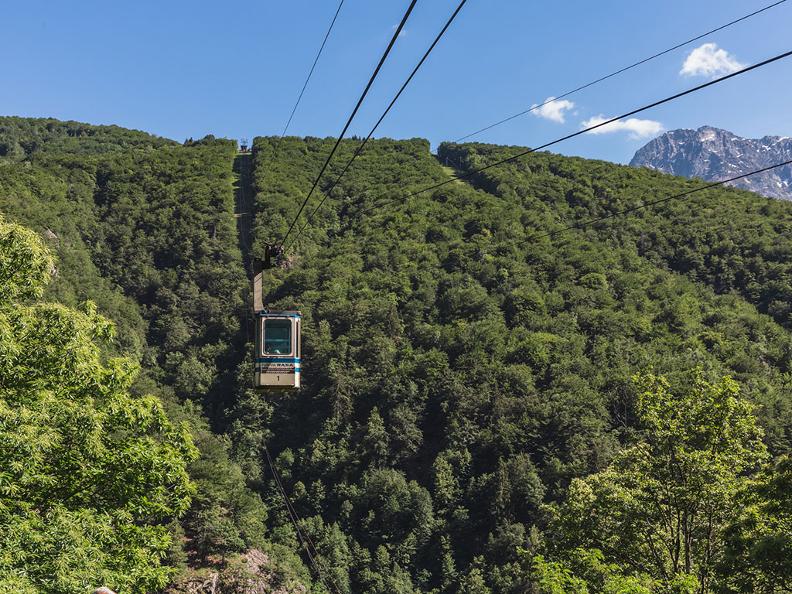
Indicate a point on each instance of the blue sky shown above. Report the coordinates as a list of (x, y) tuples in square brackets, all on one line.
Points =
[(183, 68)]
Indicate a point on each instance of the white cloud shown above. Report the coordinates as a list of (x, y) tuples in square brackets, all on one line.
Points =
[(638, 129), (552, 109), (710, 60), (402, 33)]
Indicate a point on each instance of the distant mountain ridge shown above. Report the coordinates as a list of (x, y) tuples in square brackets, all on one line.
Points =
[(713, 154)]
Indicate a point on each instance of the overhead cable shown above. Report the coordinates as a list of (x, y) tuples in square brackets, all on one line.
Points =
[(382, 117), (607, 122), (617, 72), (311, 71), (396, 34), (303, 537), (722, 182)]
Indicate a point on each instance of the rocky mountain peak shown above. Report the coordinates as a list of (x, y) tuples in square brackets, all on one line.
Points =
[(714, 154)]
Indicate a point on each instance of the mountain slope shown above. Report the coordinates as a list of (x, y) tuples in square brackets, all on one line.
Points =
[(22, 138), (459, 372), (461, 368), (145, 229), (713, 155)]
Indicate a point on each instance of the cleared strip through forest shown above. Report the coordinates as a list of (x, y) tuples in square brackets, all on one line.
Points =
[(244, 204)]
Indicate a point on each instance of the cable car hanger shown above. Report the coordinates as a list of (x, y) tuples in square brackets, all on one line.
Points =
[(278, 344)]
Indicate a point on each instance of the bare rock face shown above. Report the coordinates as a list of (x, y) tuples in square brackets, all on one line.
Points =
[(254, 572), (713, 154)]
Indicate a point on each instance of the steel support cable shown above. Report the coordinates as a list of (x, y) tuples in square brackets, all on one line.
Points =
[(313, 67), (396, 34), (276, 150), (304, 538), (381, 118), (583, 131), (593, 221), (620, 71)]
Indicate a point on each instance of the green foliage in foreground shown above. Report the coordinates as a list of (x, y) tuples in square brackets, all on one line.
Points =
[(759, 542), (663, 507), (587, 572), (90, 476)]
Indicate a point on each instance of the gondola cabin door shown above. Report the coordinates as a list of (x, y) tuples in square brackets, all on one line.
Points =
[(278, 349)]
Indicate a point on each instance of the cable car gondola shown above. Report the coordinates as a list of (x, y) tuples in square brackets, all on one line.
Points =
[(278, 345)]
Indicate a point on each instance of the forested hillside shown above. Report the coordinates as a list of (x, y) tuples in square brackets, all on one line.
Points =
[(91, 475), (485, 409), (22, 138), (145, 231), (732, 241), (461, 370)]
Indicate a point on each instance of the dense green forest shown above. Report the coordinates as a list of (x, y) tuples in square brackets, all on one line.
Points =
[(463, 372), (144, 230), (21, 138), (485, 408)]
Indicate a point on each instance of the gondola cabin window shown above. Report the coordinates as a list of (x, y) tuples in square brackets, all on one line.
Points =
[(277, 337)]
